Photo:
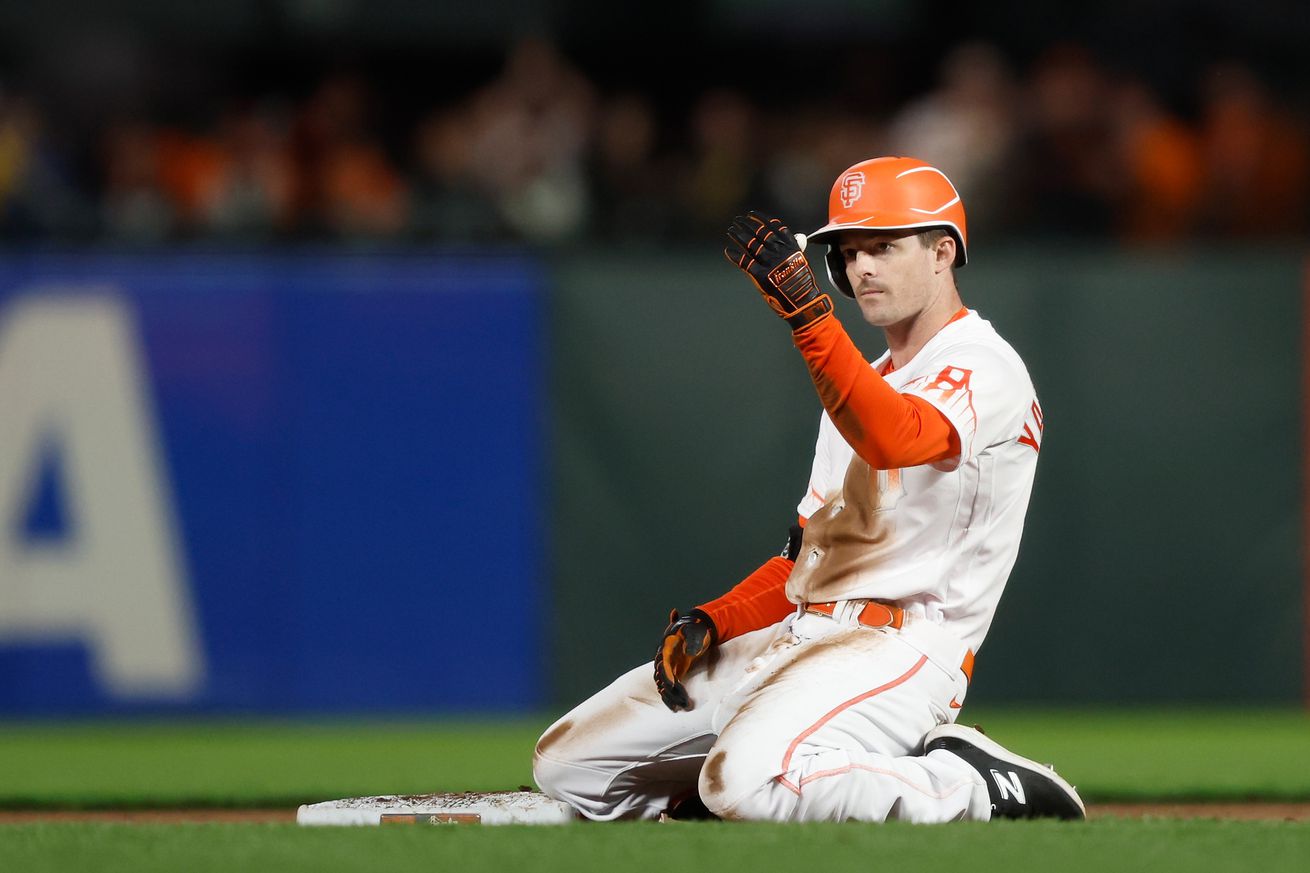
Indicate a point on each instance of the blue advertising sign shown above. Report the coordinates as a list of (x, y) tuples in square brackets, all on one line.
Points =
[(270, 483)]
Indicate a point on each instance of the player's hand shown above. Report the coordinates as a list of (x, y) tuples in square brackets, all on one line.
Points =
[(686, 640), (765, 249)]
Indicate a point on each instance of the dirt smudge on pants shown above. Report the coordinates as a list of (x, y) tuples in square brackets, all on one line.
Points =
[(713, 772), (554, 735)]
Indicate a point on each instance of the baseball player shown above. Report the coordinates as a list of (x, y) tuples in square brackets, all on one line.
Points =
[(825, 686)]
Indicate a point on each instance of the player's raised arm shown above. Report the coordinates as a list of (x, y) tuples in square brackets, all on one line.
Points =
[(887, 429)]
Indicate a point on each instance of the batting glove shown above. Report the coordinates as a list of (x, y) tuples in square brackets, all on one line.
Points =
[(686, 640), (765, 249)]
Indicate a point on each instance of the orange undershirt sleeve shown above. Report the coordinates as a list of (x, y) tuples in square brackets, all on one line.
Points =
[(887, 429), (757, 601)]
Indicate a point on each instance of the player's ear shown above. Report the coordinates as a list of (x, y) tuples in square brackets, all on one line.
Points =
[(944, 253)]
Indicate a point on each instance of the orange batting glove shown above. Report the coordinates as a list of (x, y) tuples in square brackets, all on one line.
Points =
[(686, 640), (765, 249)]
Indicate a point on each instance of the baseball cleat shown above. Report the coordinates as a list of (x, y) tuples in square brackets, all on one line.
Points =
[(1018, 787)]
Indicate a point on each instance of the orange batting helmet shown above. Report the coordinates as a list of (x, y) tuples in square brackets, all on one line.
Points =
[(890, 194)]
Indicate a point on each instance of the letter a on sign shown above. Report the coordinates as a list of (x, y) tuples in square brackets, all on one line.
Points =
[(71, 377)]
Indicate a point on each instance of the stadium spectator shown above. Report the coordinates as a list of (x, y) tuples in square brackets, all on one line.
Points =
[(1256, 159), (1065, 175), (539, 153), (1161, 164), (628, 178), (135, 208), (967, 127)]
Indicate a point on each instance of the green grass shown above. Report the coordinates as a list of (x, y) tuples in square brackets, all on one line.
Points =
[(1178, 754), (1111, 755), (255, 764), (1159, 846)]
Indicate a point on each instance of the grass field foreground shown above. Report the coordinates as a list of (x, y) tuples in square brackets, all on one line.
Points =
[(1111, 756), (1159, 845)]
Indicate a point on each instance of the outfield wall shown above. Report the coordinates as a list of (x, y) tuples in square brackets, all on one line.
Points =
[(234, 483), (1161, 560)]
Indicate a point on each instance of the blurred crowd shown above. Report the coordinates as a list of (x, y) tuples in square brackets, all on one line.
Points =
[(544, 155)]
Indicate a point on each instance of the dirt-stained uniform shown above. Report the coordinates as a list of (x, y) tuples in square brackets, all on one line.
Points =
[(829, 667)]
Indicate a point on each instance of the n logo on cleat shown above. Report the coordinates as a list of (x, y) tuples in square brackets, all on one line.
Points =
[(1009, 785)]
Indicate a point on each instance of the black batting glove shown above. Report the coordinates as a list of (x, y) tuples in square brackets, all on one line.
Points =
[(687, 639), (765, 249)]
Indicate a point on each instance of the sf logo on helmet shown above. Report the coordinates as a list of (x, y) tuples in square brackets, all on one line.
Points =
[(851, 186)]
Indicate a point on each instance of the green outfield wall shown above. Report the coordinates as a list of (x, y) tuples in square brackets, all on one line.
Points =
[(1162, 558)]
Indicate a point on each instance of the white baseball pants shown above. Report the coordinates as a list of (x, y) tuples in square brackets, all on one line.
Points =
[(814, 719)]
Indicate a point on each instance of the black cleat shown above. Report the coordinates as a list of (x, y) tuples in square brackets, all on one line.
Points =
[(688, 808), (1019, 788)]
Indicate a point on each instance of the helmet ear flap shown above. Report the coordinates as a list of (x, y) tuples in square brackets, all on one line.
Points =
[(837, 270)]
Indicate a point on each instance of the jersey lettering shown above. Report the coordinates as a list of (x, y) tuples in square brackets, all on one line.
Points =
[(951, 381), (1032, 429)]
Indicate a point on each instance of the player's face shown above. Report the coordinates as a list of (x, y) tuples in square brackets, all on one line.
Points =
[(891, 273)]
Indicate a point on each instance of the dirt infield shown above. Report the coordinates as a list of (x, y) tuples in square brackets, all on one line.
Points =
[(1227, 811)]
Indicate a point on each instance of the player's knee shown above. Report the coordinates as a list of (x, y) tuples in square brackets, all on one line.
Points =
[(567, 773), (564, 779), (552, 770), (713, 786), (546, 774), (733, 787), (566, 769)]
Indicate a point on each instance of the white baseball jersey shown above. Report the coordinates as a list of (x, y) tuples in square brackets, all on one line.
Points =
[(818, 718), (940, 539)]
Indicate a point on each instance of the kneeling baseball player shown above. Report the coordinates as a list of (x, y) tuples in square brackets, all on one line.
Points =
[(825, 686)]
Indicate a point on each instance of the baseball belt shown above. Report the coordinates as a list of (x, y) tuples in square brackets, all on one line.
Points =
[(876, 614)]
